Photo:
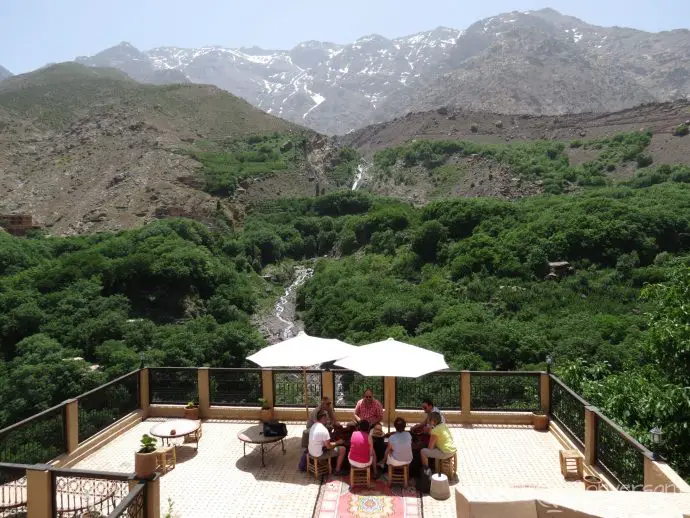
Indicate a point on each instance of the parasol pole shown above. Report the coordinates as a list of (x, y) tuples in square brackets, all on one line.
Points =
[(306, 393)]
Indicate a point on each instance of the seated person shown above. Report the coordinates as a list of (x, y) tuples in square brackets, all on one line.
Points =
[(362, 448), (425, 426), (399, 450), (320, 444), (327, 407), (441, 443), (370, 410)]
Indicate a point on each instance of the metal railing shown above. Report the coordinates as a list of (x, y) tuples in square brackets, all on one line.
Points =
[(349, 386), (443, 388), (619, 455), (13, 491), (35, 440), (505, 391), (288, 388), (101, 407), (133, 505), (77, 493), (568, 411), (235, 387), (173, 385)]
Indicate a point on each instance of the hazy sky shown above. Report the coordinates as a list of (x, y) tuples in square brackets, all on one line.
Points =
[(36, 32)]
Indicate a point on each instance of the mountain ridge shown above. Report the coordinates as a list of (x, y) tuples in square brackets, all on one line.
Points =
[(4, 73), (552, 62)]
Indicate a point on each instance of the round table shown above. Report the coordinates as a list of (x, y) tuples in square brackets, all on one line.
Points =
[(255, 435), (182, 428)]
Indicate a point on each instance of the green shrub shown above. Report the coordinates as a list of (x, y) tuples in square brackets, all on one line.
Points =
[(682, 130)]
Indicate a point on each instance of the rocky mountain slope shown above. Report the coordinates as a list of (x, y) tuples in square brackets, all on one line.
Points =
[(4, 73), (538, 62), (87, 149), (476, 174), (134, 63)]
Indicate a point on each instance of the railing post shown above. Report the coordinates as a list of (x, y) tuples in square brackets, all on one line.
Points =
[(465, 393), (389, 397), (144, 392), (591, 428), (39, 490), (267, 385), (545, 392), (328, 385), (204, 391), (153, 497), (71, 425)]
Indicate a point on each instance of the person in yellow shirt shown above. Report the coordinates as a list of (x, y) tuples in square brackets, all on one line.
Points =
[(441, 443)]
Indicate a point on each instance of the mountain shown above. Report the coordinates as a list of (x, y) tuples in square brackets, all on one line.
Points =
[(325, 86), (539, 62), (4, 73), (87, 149), (134, 63)]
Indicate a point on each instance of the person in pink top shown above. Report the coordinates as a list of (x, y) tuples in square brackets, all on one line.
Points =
[(369, 409), (362, 448)]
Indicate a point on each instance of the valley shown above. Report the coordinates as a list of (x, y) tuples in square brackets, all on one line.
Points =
[(181, 225)]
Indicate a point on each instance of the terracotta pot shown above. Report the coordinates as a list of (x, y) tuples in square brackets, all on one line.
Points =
[(593, 483), (192, 413), (266, 415), (145, 465), (540, 422)]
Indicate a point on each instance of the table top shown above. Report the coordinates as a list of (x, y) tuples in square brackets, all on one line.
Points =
[(255, 435), (181, 427)]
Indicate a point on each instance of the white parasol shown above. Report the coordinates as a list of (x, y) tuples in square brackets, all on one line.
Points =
[(302, 351)]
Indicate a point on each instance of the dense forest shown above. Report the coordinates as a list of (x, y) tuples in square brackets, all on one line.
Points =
[(466, 277)]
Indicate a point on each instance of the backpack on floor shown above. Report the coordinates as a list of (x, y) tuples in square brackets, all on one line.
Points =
[(302, 466)]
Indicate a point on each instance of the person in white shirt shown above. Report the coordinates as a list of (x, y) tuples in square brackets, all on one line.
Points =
[(399, 450), (425, 426), (320, 444)]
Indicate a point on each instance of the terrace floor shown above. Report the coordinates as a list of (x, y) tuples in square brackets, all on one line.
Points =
[(217, 481)]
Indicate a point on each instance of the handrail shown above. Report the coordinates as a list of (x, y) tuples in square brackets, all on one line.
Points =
[(105, 385), (174, 368), (625, 435), (239, 369), (128, 500), (33, 417), (570, 391), (11, 465), (87, 473), (295, 370), (503, 373)]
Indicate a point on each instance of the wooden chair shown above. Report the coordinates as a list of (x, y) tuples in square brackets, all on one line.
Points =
[(318, 466), (398, 474), (448, 467), (360, 476), (571, 464), (166, 458)]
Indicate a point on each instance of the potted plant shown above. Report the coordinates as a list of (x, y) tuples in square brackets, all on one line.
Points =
[(540, 420), (593, 483), (145, 459), (91, 511), (191, 411), (266, 410)]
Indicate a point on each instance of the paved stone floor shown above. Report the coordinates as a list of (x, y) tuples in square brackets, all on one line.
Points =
[(218, 481)]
